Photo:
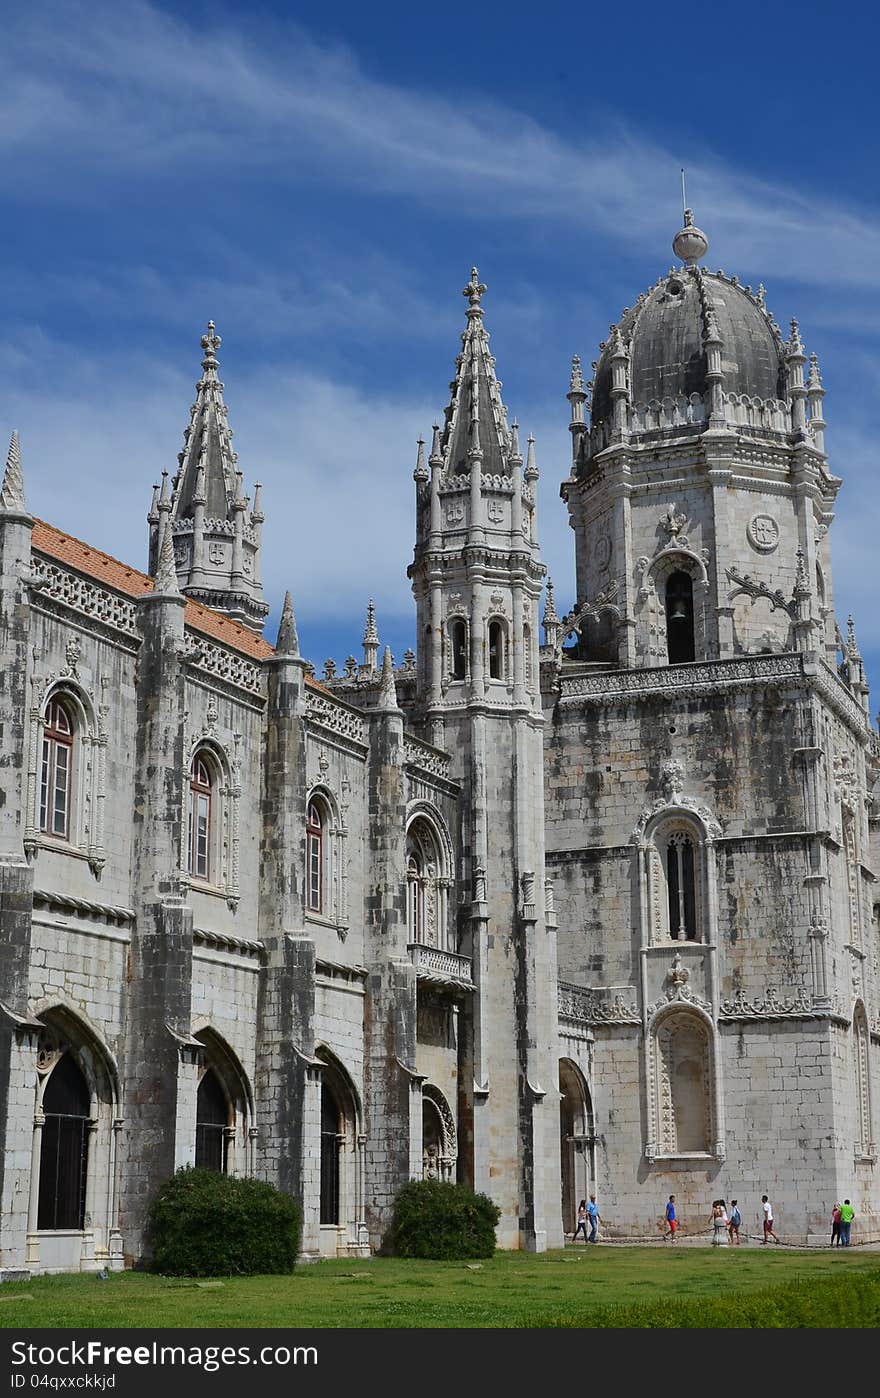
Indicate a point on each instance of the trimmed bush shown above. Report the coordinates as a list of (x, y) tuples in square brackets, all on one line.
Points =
[(204, 1224), (443, 1221)]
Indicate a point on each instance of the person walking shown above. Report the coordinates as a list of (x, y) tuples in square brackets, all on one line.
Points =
[(835, 1227), (768, 1220), (719, 1222), (847, 1214), (671, 1219), (581, 1221), (594, 1216), (734, 1222)]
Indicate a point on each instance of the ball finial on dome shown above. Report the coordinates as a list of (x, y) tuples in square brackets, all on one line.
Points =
[(690, 243)]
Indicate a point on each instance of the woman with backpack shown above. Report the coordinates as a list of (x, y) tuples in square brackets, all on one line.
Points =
[(733, 1223)]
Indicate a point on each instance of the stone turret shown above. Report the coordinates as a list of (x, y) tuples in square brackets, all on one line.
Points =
[(477, 578), (217, 537)]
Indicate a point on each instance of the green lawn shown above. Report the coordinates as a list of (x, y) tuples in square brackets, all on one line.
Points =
[(589, 1287)]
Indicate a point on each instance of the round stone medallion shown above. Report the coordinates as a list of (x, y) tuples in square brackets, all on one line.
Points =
[(603, 552), (763, 532)]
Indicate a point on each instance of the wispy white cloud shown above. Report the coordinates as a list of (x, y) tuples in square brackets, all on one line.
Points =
[(130, 88)]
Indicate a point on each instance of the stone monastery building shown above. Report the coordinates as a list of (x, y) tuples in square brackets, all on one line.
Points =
[(597, 913)]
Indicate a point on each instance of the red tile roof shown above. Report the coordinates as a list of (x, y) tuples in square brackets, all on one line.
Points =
[(103, 568)]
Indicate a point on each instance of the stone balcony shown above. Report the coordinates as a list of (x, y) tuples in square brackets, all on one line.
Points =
[(441, 967)]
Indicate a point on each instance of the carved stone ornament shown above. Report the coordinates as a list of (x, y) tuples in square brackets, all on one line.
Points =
[(584, 1005), (673, 526), (674, 799), (770, 1006), (763, 533), (72, 654), (602, 553), (676, 988), (744, 582)]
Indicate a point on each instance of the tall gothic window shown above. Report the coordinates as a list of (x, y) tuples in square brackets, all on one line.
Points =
[(331, 1124), (201, 789), (415, 885), (458, 646), (426, 887), (680, 642), (681, 887), (64, 1147), (496, 650), (315, 856), (56, 772), (212, 1123)]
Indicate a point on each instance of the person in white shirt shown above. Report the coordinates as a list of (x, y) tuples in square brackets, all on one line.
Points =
[(768, 1220)]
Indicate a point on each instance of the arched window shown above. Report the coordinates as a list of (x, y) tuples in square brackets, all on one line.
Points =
[(56, 773), (331, 1131), (201, 789), (458, 646), (497, 657), (681, 887), (212, 1123), (64, 1147), (315, 856), (680, 618), (427, 888)]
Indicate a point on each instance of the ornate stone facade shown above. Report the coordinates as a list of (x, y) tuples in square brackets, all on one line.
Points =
[(593, 915)]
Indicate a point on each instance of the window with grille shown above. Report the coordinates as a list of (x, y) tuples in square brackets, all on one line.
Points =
[(64, 1148), (212, 1122)]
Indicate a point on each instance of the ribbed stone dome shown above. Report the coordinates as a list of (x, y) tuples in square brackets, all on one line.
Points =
[(664, 334)]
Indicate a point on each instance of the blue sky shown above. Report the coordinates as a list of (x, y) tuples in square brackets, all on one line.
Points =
[(319, 181)]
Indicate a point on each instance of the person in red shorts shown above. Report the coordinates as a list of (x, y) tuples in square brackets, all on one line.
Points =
[(671, 1220)]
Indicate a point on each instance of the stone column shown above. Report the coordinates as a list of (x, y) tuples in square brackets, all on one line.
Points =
[(390, 1004), (288, 1077), (160, 965)]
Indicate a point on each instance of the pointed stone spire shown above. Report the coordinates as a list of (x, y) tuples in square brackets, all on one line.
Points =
[(257, 516), (288, 641), (12, 490), (436, 457), (475, 432), (851, 643), (531, 467), (387, 688), (421, 471), (209, 504), (153, 516), (515, 454), (815, 395), (371, 639), (550, 621), (166, 573)]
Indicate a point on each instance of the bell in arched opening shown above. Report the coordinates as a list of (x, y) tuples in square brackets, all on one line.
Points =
[(680, 617)]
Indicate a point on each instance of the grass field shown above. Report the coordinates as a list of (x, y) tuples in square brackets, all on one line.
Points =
[(690, 1287)]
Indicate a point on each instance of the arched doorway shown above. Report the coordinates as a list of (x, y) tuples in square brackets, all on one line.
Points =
[(212, 1123), (65, 1148), (73, 1192), (577, 1140), (439, 1136), (342, 1229)]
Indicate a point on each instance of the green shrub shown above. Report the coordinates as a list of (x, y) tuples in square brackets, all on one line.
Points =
[(204, 1224), (443, 1221)]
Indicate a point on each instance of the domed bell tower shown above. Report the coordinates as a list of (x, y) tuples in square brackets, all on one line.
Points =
[(700, 493)]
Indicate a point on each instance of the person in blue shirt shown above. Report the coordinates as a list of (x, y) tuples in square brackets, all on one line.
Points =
[(671, 1220), (594, 1217)]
